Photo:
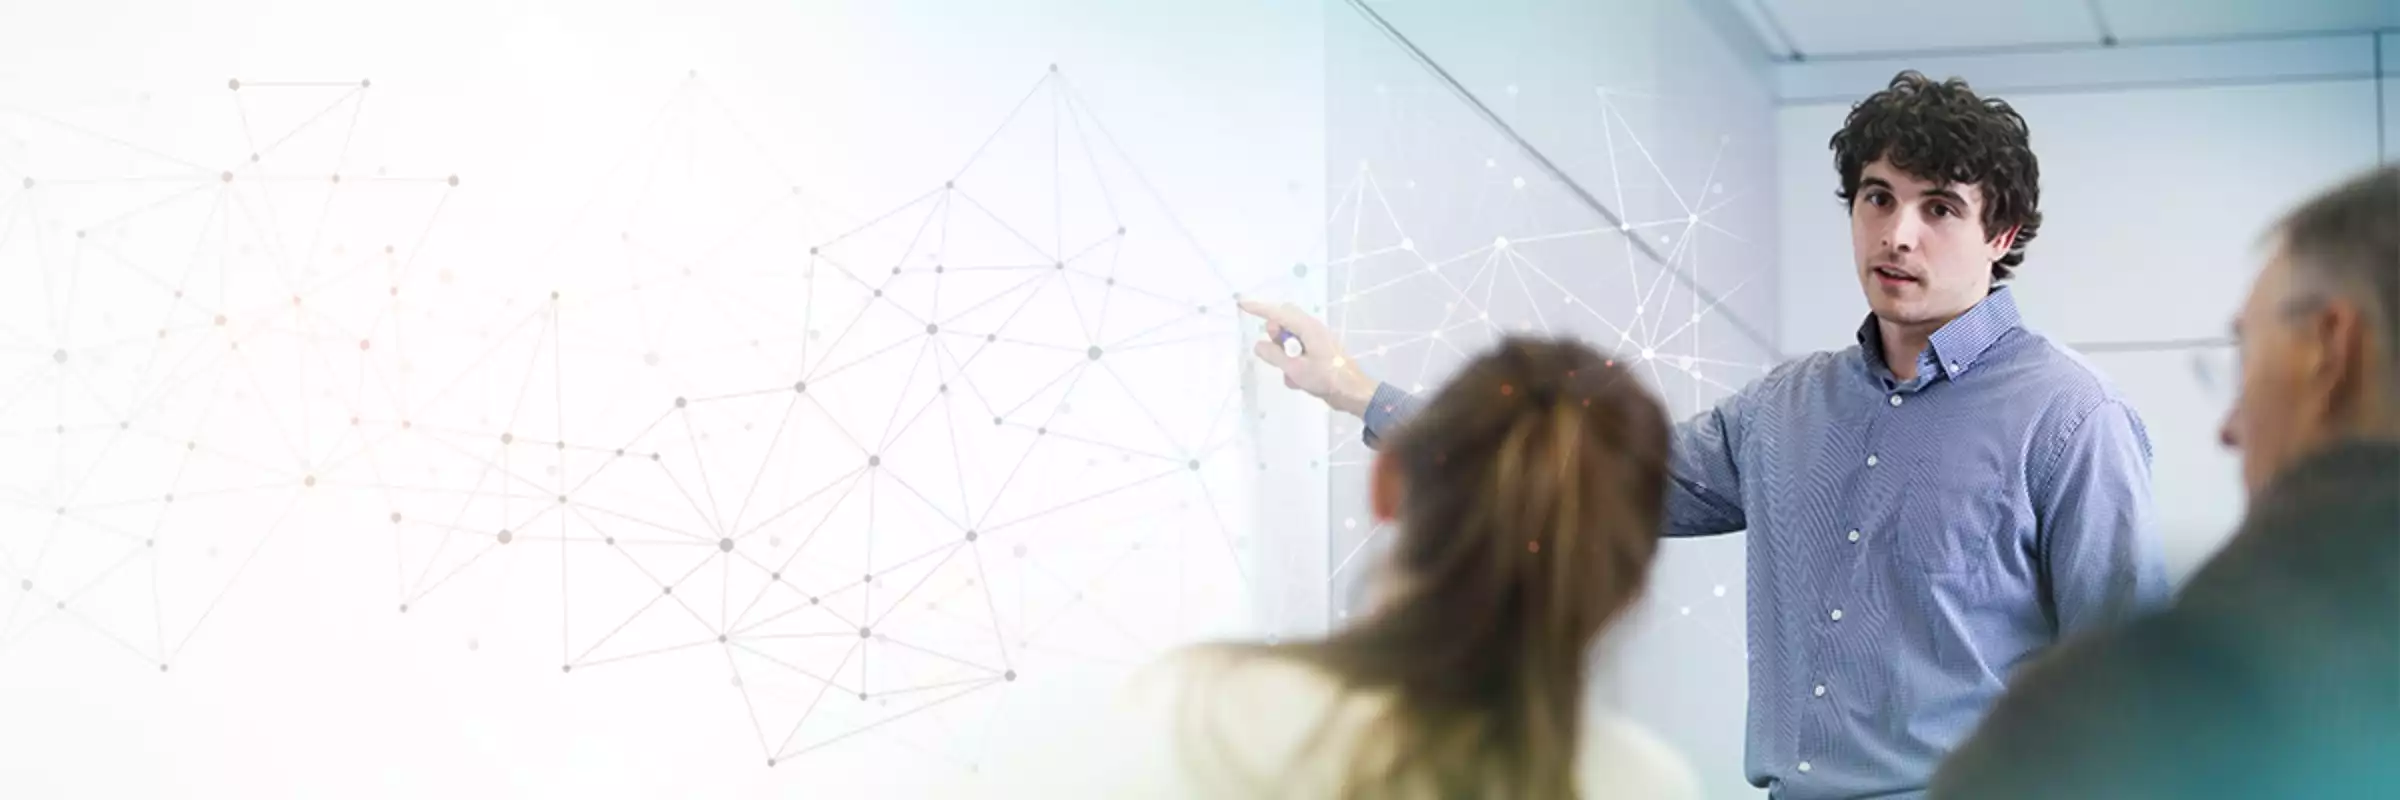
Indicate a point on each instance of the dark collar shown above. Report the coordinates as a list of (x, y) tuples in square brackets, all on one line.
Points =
[(2343, 469), (2326, 524), (1957, 345)]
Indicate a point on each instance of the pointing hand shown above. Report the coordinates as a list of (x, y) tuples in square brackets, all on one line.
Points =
[(1322, 369)]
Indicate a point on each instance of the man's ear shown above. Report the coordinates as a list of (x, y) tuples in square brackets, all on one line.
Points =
[(1383, 492), (2337, 353), (2007, 239)]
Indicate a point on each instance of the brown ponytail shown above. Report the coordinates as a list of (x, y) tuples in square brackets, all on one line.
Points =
[(1531, 489)]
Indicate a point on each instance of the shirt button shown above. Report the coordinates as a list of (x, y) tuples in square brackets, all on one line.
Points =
[(1836, 615), (1872, 461), (1895, 400), (1854, 536), (1820, 690), (1803, 766)]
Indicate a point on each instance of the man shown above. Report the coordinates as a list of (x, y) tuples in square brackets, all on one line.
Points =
[(1926, 509), (2277, 671)]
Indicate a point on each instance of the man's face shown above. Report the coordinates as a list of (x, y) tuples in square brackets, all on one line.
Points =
[(2275, 418), (1922, 254)]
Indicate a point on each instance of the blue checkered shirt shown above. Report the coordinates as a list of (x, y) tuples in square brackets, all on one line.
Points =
[(1911, 542)]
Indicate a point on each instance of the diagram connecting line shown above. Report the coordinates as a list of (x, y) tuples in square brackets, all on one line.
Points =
[(1547, 167)]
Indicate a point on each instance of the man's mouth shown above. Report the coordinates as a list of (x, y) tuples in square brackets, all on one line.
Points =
[(1890, 275)]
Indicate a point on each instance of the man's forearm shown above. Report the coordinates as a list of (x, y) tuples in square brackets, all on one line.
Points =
[(1352, 391)]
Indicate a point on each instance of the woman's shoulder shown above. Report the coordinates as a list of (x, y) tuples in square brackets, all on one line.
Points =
[(1177, 726), (1211, 720), (1270, 704), (1240, 670), (1268, 700), (1621, 758)]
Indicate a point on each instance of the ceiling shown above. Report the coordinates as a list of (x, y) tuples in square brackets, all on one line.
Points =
[(1814, 29)]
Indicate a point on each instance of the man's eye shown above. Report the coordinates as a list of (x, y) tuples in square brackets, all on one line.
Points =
[(1940, 210)]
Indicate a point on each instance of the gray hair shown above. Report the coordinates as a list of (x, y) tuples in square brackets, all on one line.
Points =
[(2346, 241)]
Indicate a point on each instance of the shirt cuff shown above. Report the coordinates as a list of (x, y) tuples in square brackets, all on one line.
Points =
[(1386, 409)]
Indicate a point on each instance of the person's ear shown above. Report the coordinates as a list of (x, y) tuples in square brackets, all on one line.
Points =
[(2334, 354), (2007, 239), (1383, 491)]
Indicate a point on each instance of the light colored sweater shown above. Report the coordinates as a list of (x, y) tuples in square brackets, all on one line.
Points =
[(1197, 724)]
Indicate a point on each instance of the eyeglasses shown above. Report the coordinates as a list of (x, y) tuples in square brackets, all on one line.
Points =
[(2218, 369)]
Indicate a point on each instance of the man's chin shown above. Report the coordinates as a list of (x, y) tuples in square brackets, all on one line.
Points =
[(1887, 307), (1898, 313)]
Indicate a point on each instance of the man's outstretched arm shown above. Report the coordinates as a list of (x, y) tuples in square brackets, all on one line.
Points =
[(1705, 495), (1704, 487)]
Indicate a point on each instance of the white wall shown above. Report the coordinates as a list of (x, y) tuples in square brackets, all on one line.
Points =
[(2160, 168), (265, 429)]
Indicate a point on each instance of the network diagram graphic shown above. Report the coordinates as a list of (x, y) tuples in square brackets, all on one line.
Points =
[(865, 473), (1461, 230), (183, 280), (873, 473)]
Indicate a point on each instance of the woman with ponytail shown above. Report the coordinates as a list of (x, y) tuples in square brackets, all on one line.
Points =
[(1525, 499)]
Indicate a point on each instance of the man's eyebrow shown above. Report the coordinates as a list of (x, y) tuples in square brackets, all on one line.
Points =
[(1942, 192)]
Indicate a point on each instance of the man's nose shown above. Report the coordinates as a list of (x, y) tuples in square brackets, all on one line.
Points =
[(1903, 233), (1906, 231)]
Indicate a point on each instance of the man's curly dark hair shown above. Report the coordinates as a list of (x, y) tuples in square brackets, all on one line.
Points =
[(1944, 132)]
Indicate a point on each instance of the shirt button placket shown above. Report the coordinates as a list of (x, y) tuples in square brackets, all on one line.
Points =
[(1834, 616), (1872, 459)]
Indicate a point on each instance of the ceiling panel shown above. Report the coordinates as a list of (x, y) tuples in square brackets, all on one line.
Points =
[(2135, 20), (1838, 27)]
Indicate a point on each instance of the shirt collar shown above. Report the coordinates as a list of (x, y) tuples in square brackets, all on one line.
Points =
[(1957, 345)]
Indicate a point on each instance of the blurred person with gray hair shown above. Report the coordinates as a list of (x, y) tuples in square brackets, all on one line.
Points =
[(2276, 673)]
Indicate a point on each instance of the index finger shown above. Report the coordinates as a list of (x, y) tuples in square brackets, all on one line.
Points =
[(1282, 317), (1272, 312)]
